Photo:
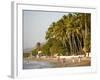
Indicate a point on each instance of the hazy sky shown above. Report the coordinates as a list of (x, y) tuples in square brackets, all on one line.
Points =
[(36, 24)]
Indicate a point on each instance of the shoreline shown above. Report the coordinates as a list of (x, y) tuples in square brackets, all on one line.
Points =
[(58, 63)]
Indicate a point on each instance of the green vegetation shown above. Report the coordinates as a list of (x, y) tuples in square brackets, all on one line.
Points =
[(34, 52), (71, 35)]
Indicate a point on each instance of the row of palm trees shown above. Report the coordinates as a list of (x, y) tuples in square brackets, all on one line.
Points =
[(74, 31)]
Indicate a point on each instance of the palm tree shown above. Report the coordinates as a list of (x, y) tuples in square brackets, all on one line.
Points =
[(85, 25)]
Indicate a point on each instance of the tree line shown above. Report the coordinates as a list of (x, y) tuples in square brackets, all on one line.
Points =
[(70, 35)]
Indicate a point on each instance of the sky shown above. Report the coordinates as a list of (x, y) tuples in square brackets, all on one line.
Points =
[(35, 25)]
